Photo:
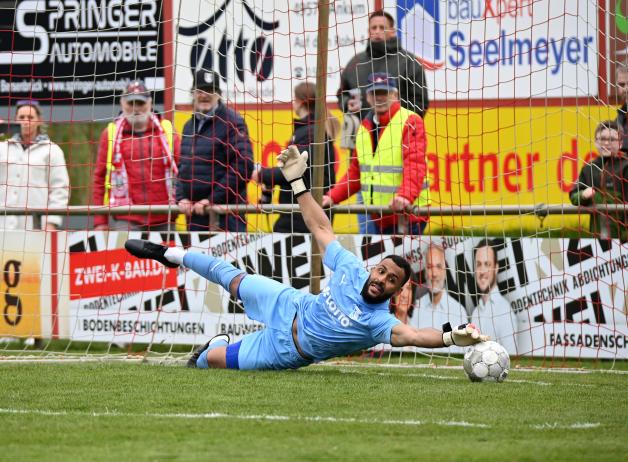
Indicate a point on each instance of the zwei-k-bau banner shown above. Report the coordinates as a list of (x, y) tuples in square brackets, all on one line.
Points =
[(549, 297)]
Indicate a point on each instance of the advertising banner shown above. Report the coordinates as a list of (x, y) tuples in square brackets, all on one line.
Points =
[(542, 297), (496, 49), (21, 284), (500, 156), (617, 44), (259, 47), (80, 52)]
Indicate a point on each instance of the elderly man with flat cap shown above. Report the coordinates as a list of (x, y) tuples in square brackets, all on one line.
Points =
[(136, 164), (216, 159)]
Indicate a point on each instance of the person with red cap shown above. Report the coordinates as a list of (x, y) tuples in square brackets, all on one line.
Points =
[(136, 164)]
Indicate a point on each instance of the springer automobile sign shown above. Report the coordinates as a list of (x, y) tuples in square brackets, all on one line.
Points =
[(79, 51)]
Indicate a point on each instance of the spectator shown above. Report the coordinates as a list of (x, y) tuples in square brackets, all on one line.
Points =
[(382, 54), (493, 314), (33, 173), (604, 180), (303, 138), (437, 307), (136, 163), (622, 92), (388, 163), (216, 159)]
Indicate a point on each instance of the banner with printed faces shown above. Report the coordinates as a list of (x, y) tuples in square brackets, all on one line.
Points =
[(492, 49), (80, 52), (541, 297), (262, 49)]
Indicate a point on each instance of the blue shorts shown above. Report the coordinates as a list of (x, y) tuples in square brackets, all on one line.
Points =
[(275, 305)]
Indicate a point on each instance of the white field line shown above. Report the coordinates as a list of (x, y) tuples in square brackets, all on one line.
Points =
[(285, 418), (435, 367), (445, 377)]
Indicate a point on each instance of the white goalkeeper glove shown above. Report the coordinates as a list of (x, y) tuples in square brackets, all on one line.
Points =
[(293, 166), (463, 335)]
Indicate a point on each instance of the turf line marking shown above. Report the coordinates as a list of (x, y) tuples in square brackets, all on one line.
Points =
[(531, 382), (442, 377), (557, 426), (218, 415), (388, 374), (285, 418), (342, 363)]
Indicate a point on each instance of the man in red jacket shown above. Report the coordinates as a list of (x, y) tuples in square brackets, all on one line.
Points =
[(388, 162), (136, 164)]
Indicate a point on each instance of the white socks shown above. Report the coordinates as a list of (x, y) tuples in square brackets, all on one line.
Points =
[(175, 255)]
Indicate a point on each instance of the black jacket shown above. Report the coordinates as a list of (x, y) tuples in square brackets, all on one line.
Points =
[(621, 121), (303, 137), (608, 176), (216, 158), (390, 58)]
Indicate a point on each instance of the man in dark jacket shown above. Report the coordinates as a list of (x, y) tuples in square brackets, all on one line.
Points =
[(605, 181), (383, 54), (216, 159)]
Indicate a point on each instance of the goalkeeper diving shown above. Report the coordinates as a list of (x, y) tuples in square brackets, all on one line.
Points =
[(349, 315)]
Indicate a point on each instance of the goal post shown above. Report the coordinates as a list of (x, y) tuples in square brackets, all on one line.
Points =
[(517, 91)]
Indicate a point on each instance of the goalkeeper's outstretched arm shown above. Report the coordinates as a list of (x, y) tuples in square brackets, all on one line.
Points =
[(293, 165), (316, 221), (464, 335)]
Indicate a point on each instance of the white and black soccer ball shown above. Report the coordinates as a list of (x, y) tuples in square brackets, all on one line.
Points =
[(486, 362)]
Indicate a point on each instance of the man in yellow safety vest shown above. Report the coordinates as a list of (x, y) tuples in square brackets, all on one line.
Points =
[(136, 164), (388, 163)]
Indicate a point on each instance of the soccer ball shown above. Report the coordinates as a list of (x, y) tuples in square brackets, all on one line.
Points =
[(486, 362)]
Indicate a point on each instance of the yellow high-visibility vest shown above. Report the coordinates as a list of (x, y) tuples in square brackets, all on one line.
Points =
[(166, 125), (381, 172)]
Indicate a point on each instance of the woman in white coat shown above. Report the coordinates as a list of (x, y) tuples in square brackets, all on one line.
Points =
[(33, 174)]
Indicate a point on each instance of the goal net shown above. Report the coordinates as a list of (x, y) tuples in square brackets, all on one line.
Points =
[(494, 125)]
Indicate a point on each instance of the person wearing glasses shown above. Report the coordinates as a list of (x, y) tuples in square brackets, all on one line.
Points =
[(604, 180), (33, 173)]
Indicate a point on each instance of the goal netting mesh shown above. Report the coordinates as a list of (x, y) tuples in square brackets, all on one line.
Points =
[(507, 115)]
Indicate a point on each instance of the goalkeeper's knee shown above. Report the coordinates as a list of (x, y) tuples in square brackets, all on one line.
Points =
[(212, 268)]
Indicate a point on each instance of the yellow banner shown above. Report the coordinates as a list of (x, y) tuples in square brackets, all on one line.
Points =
[(475, 156), (20, 285)]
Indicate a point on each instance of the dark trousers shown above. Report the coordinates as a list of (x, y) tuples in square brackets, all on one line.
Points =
[(232, 223)]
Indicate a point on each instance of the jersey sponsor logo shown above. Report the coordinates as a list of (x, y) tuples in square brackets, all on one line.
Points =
[(356, 313), (333, 309)]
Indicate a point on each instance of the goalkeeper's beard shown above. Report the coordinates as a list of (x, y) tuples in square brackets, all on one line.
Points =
[(373, 300)]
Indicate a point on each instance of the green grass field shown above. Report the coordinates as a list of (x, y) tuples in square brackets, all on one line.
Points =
[(141, 412)]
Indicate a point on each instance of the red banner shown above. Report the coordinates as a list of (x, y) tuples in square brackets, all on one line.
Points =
[(109, 272)]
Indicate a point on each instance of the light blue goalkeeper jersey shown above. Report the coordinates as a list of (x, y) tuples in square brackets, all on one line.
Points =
[(338, 321)]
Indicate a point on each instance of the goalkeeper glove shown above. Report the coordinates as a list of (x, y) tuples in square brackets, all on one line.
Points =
[(293, 166), (463, 335)]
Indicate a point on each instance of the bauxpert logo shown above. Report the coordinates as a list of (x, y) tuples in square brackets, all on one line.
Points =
[(245, 50), (420, 31)]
